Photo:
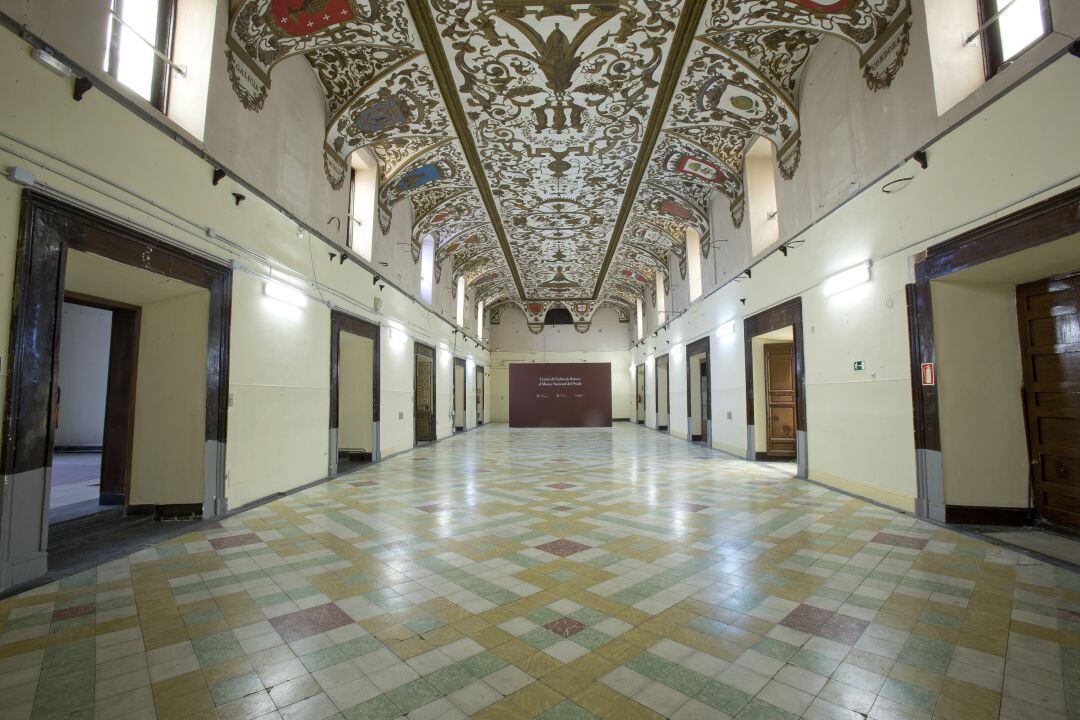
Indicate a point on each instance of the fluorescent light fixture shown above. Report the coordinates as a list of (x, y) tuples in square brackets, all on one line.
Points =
[(726, 329), (284, 293), (847, 279)]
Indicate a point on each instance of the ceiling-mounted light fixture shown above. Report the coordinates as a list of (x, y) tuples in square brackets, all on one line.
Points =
[(847, 279)]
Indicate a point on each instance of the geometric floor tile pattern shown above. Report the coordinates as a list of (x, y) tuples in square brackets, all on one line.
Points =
[(555, 574)]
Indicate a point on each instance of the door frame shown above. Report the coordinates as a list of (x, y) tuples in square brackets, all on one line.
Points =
[(666, 357), (1037, 224), (460, 362), (343, 322), (118, 430), (48, 228), (774, 318), (481, 406), (434, 393), (639, 381), (692, 350)]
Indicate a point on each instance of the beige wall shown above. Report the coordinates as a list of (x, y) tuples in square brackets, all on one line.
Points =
[(85, 333), (167, 463), (983, 446), (355, 391)]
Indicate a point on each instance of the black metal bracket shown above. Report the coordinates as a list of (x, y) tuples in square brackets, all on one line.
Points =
[(1074, 49), (375, 279), (82, 86), (783, 250), (920, 157), (343, 258), (218, 176), (238, 197)]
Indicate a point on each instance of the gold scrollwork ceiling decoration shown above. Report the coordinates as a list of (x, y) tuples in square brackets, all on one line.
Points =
[(558, 151)]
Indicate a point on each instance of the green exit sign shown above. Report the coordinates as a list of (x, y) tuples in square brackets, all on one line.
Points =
[(858, 364)]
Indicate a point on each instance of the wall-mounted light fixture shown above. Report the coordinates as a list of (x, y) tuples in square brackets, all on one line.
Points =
[(727, 329), (284, 293), (847, 279)]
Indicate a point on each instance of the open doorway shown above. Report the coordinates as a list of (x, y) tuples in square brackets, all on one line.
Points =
[(994, 320), (699, 420), (424, 393), (479, 375), (662, 391), (775, 388), (639, 403), (97, 361), (459, 394), (354, 393), (162, 424)]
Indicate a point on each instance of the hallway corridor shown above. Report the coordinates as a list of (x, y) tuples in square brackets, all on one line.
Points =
[(555, 574)]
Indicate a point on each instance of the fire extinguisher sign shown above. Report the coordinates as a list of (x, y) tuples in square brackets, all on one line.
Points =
[(928, 374)]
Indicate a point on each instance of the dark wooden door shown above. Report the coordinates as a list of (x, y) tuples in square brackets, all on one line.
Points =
[(479, 396), (780, 399), (640, 404), (1049, 320), (424, 399)]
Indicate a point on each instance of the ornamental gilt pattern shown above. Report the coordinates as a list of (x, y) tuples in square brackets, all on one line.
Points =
[(558, 101)]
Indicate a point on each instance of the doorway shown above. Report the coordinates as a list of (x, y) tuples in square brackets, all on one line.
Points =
[(775, 405), (163, 422), (479, 379), (699, 411), (775, 387), (640, 402), (424, 394), (459, 394), (992, 318), (662, 392), (354, 393), (97, 359)]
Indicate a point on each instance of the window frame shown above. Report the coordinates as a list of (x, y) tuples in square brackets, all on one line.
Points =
[(993, 60), (163, 41)]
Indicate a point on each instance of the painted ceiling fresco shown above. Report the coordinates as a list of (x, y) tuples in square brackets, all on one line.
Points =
[(558, 150)]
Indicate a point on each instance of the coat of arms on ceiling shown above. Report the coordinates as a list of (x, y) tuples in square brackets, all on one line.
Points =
[(420, 176), (379, 115), (699, 168), (304, 17)]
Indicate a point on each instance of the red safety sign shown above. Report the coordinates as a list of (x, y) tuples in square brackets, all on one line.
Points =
[(928, 373)]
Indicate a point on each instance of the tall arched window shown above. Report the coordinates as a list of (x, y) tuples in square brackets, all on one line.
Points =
[(761, 195), (362, 202), (461, 301), (661, 300), (693, 262), (640, 320), (427, 267)]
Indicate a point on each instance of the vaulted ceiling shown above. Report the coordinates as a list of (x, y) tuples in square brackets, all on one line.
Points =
[(558, 151)]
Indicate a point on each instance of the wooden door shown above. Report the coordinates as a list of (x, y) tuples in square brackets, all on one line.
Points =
[(780, 399), (1049, 321), (424, 399), (704, 380)]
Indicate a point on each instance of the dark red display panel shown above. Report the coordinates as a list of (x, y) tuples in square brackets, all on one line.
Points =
[(560, 395)]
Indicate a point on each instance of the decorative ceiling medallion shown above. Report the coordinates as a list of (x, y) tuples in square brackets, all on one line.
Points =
[(379, 115), (700, 169), (304, 17), (419, 177), (675, 209)]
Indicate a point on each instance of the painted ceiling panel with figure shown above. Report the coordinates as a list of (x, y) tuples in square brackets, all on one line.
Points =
[(559, 151)]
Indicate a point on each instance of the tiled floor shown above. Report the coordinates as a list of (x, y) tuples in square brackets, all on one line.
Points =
[(513, 574), (1042, 541)]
